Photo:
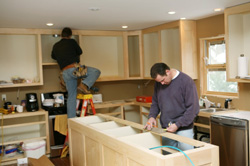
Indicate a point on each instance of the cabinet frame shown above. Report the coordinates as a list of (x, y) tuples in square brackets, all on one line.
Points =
[(188, 48), (231, 66)]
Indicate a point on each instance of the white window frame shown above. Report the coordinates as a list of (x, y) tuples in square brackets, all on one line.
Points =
[(204, 68)]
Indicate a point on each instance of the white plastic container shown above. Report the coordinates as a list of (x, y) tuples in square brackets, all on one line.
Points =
[(34, 149), (10, 150)]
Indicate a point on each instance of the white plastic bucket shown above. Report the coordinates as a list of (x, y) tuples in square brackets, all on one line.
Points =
[(34, 149)]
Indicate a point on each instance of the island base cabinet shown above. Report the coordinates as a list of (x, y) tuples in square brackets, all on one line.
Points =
[(98, 141)]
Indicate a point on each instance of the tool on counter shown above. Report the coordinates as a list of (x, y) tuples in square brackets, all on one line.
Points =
[(156, 129)]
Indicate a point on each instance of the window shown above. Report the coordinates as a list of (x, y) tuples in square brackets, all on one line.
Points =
[(213, 65)]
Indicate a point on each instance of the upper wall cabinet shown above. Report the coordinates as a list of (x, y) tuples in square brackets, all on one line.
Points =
[(20, 63), (48, 41), (134, 55), (120, 55), (172, 43), (237, 29), (104, 52)]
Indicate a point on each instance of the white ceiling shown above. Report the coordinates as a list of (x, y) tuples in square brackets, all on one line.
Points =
[(136, 14)]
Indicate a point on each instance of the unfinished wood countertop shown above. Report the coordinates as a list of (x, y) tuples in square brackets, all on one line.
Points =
[(208, 114)]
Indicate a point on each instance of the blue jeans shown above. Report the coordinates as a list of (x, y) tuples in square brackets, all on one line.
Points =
[(182, 146), (71, 85)]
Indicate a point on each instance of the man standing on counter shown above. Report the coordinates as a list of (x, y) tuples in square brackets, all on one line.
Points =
[(175, 97), (67, 53)]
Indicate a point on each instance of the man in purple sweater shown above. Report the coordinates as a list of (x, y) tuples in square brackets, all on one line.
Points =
[(175, 98)]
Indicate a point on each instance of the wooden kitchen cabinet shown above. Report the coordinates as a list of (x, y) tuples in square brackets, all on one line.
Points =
[(20, 57), (47, 43), (133, 60), (109, 141), (26, 126), (104, 52), (120, 55), (172, 43), (237, 30)]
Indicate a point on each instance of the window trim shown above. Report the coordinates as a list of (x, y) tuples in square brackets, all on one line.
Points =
[(203, 72)]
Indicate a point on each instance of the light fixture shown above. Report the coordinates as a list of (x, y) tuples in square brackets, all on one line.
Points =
[(49, 24), (171, 12), (56, 35), (124, 26), (94, 9), (183, 18), (217, 9)]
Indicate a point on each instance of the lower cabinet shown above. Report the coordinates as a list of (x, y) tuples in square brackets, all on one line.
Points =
[(104, 140), (20, 127)]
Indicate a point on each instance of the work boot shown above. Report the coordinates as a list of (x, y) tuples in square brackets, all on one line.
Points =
[(83, 88)]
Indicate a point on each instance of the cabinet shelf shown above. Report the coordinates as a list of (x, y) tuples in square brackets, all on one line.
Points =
[(202, 125), (22, 127), (22, 140), (20, 85), (17, 156), (50, 64)]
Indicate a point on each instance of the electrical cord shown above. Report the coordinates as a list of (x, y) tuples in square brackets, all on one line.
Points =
[(172, 147)]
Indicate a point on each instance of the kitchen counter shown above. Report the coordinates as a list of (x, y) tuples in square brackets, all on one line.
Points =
[(208, 114), (145, 107)]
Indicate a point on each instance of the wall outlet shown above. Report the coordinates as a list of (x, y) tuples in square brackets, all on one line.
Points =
[(4, 98)]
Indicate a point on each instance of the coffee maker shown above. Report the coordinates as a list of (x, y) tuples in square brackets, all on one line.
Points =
[(32, 103)]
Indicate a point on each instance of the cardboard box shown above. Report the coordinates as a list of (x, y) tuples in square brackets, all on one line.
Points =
[(42, 161)]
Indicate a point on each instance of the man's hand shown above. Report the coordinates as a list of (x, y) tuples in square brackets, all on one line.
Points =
[(151, 122), (172, 128)]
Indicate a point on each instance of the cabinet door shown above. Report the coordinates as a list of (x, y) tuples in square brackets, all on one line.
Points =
[(237, 24), (104, 53), (19, 56), (151, 51)]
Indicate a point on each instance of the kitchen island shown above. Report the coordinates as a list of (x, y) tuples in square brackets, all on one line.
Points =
[(109, 141)]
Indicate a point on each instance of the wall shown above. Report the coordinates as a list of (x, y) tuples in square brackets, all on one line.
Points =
[(214, 26)]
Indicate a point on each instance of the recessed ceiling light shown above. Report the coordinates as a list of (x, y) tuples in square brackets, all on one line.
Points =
[(183, 18), (124, 26), (94, 9), (217, 9), (171, 12), (49, 24)]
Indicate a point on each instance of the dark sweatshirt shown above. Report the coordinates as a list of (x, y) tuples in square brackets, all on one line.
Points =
[(66, 52), (177, 102)]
